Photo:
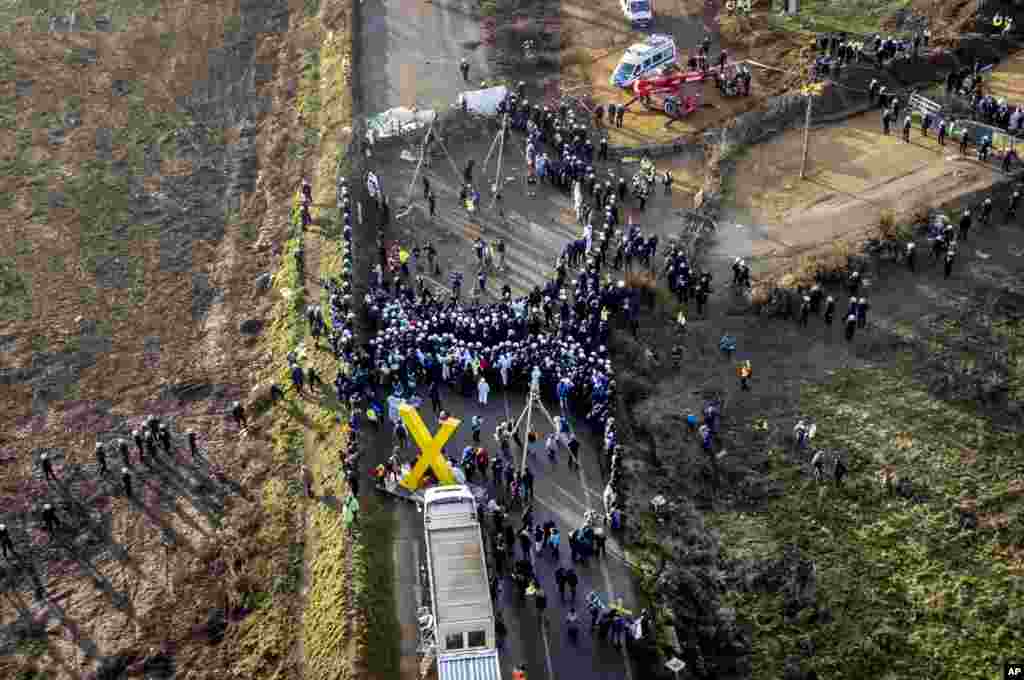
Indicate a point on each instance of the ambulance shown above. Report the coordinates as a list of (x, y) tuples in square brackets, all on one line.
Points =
[(640, 13), (644, 59)]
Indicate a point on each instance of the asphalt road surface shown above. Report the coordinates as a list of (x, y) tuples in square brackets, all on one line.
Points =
[(562, 496), (411, 53), (535, 229), (401, 66)]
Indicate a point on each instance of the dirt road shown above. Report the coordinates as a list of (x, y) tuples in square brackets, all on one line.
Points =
[(855, 175)]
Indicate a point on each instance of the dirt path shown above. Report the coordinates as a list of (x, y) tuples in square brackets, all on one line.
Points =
[(856, 175)]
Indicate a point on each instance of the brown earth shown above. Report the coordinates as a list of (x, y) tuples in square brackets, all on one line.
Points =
[(855, 175), (1007, 79), (594, 36), (153, 581)]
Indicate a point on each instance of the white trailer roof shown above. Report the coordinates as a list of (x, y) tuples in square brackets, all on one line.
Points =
[(458, 569), (482, 666)]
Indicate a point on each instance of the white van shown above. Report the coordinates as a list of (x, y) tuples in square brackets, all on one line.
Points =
[(640, 13), (658, 51)]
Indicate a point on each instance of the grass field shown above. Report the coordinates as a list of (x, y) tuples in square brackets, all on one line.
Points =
[(858, 17), (912, 593)]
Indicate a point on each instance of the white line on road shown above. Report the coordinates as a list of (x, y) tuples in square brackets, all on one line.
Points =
[(607, 577), (418, 588), (547, 650)]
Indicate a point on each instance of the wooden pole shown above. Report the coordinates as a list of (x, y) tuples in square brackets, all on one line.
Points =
[(419, 163), (807, 138), (526, 434), (497, 177)]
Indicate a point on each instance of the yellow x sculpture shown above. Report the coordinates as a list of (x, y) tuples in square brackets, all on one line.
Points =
[(431, 457)]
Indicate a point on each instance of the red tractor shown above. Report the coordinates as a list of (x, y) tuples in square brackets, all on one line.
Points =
[(677, 94)]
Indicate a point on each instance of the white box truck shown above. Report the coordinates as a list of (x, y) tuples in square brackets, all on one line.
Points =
[(459, 588)]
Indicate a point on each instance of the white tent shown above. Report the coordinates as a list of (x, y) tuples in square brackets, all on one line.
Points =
[(399, 120), (484, 102)]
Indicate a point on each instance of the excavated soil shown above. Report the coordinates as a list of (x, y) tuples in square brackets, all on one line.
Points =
[(150, 157)]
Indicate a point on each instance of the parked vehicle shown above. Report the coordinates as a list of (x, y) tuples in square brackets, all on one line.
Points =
[(463, 616), (640, 13), (642, 59)]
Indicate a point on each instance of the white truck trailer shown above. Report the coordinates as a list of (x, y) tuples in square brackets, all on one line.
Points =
[(459, 588)]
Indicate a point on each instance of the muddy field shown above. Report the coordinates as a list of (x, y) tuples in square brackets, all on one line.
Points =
[(929, 393), (149, 151)]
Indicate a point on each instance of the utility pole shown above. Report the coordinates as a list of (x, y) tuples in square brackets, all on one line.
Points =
[(810, 91), (807, 138)]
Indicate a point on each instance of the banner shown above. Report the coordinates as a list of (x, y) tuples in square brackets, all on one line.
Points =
[(484, 102), (398, 121)]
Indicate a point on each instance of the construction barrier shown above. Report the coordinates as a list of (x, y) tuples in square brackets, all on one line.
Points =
[(924, 105)]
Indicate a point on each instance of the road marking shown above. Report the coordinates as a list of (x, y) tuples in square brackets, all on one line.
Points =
[(604, 573), (418, 588), (547, 650)]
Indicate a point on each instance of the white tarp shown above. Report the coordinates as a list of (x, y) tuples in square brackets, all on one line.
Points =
[(484, 102), (397, 121)]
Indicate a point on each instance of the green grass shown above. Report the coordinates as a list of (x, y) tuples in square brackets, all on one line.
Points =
[(1013, 332), (146, 126), (912, 596), (15, 291), (269, 636), (375, 586), (123, 11), (7, 61), (40, 201), (859, 17), (137, 281), (488, 8), (233, 24), (20, 165), (248, 231), (8, 113), (168, 40), (309, 85), (44, 120), (33, 646), (311, 7), (101, 199), (216, 136)]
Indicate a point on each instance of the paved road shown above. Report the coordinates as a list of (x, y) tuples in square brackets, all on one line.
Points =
[(401, 68), (534, 229), (411, 52), (560, 495)]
